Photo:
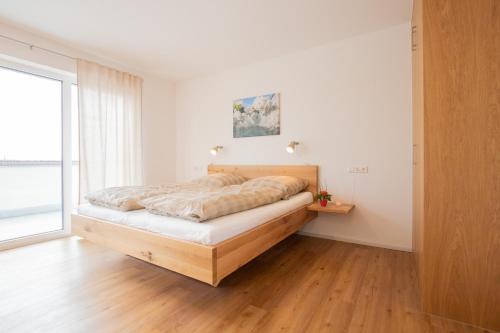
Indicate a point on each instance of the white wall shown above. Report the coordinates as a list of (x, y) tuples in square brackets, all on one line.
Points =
[(158, 97), (158, 130), (348, 103)]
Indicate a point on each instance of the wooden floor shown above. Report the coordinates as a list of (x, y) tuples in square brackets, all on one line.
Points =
[(301, 285)]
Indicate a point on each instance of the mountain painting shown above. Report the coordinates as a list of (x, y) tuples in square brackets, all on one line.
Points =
[(256, 116)]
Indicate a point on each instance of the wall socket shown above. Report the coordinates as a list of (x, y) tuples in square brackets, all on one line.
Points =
[(358, 169)]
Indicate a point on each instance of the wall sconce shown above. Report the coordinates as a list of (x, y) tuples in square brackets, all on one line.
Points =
[(291, 147), (215, 150)]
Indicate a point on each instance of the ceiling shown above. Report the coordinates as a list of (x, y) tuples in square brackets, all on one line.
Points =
[(180, 39)]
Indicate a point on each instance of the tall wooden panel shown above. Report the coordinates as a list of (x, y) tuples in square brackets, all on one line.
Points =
[(418, 133), (460, 270)]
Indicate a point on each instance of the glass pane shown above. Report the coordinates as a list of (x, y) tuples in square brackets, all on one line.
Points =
[(30, 154)]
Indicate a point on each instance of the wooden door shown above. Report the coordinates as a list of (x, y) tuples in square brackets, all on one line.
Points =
[(461, 267)]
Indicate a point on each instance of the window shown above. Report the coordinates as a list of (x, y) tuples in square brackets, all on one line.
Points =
[(35, 152)]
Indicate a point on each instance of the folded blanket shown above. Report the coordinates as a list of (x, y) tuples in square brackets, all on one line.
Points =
[(204, 205), (127, 198)]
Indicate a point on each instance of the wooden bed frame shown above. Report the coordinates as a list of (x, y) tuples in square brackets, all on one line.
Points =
[(206, 263)]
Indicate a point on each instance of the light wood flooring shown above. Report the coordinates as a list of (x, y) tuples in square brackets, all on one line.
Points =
[(303, 284)]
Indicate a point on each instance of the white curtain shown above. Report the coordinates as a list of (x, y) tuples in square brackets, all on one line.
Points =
[(109, 103)]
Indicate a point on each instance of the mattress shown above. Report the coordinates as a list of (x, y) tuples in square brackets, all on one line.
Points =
[(210, 232)]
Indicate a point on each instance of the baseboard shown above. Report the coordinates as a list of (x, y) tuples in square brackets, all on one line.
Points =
[(356, 241)]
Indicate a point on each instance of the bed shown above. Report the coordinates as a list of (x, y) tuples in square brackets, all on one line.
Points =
[(206, 251)]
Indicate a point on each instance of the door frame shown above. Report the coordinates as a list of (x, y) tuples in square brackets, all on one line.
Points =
[(67, 80)]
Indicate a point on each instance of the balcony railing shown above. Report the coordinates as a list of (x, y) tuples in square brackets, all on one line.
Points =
[(32, 187), (21, 163)]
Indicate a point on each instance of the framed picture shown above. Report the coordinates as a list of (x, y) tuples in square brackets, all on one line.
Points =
[(256, 116)]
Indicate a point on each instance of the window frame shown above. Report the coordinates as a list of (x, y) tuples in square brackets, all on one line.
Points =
[(67, 80)]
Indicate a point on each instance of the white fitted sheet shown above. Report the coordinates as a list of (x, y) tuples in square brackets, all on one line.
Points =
[(210, 232)]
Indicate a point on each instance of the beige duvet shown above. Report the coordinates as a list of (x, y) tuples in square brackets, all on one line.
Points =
[(127, 198), (211, 203), (201, 199)]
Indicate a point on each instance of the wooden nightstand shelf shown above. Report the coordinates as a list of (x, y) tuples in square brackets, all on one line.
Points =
[(331, 208)]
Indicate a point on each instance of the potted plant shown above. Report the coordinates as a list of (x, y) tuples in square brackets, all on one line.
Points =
[(323, 198)]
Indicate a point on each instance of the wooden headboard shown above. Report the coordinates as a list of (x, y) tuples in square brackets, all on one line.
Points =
[(309, 172)]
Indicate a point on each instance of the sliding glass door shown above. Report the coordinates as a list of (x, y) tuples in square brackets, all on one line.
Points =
[(32, 128)]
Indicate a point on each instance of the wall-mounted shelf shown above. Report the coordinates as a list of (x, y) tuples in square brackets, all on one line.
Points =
[(331, 208)]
